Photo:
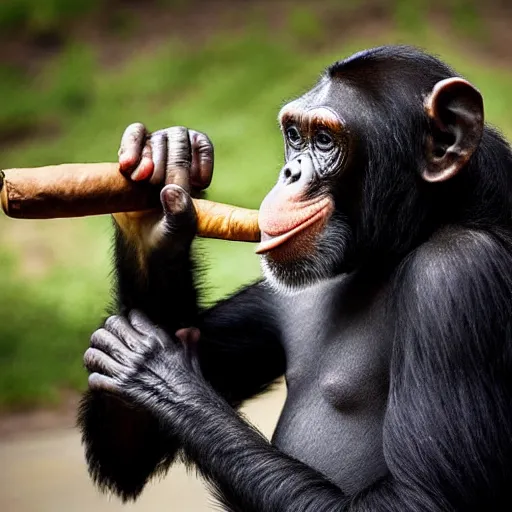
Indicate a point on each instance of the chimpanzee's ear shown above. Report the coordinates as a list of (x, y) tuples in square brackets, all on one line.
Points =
[(457, 111)]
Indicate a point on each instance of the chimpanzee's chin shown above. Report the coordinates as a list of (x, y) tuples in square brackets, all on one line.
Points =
[(288, 270), (296, 275)]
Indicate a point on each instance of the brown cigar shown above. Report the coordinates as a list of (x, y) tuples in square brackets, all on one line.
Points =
[(77, 190)]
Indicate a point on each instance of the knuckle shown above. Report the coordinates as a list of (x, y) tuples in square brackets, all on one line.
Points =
[(134, 346), (204, 143), (137, 316), (177, 136), (147, 150), (133, 136), (136, 127), (98, 382), (89, 357), (94, 381), (97, 337), (112, 323), (161, 336), (121, 357), (159, 136), (176, 129), (149, 344)]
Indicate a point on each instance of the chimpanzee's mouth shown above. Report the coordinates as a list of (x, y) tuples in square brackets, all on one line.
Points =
[(274, 236)]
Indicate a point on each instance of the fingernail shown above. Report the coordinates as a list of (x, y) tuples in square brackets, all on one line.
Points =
[(175, 199), (143, 171), (135, 175), (126, 162)]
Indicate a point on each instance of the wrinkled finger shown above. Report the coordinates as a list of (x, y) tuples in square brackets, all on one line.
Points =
[(141, 323), (98, 382), (121, 328), (179, 158), (111, 345), (97, 361), (201, 170), (150, 331), (159, 146), (144, 170), (132, 143)]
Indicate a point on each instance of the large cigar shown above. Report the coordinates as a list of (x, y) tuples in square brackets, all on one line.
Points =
[(77, 190)]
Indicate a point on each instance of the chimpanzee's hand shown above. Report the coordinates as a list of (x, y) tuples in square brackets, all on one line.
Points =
[(179, 160), (139, 363), (154, 157)]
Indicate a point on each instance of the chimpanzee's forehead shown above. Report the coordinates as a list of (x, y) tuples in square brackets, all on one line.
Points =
[(328, 99), (315, 97)]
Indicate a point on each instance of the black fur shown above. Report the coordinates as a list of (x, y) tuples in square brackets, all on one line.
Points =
[(126, 446), (399, 370)]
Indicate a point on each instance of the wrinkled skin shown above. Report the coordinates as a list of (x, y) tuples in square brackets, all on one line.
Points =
[(131, 358)]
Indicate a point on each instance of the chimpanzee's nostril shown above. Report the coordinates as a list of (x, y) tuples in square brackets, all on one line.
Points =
[(291, 172)]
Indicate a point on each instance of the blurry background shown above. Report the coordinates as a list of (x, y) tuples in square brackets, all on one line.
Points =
[(73, 75)]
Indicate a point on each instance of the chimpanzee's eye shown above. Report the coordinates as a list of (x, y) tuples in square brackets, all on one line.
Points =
[(324, 141), (293, 136)]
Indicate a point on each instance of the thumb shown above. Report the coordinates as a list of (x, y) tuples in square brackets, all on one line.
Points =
[(179, 211), (188, 335)]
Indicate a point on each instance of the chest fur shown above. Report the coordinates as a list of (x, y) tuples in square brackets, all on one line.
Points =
[(338, 338), (338, 341)]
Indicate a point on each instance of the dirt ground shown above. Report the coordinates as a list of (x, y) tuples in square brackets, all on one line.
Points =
[(44, 471)]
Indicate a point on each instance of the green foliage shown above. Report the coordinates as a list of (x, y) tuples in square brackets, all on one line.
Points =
[(20, 108), (70, 81), (305, 25), (44, 327), (39, 16), (466, 18), (46, 321), (232, 89), (345, 5), (409, 15), (61, 91)]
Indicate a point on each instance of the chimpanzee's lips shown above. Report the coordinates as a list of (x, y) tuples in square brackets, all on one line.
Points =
[(275, 231)]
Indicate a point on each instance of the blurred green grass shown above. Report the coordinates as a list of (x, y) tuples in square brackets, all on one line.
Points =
[(37, 16), (54, 284)]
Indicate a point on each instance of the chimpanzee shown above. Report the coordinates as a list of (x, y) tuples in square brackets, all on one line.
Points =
[(386, 302)]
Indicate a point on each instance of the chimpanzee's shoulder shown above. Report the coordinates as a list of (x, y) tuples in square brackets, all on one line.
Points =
[(461, 242), (456, 254)]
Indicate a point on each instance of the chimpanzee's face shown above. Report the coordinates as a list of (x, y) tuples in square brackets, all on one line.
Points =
[(305, 237), (365, 150)]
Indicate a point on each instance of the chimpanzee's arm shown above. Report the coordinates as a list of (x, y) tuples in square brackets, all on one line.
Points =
[(448, 429), (125, 445), (448, 434), (239, 351)]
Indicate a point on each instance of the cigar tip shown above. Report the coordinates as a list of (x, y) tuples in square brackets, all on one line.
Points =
[(4, 203)]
